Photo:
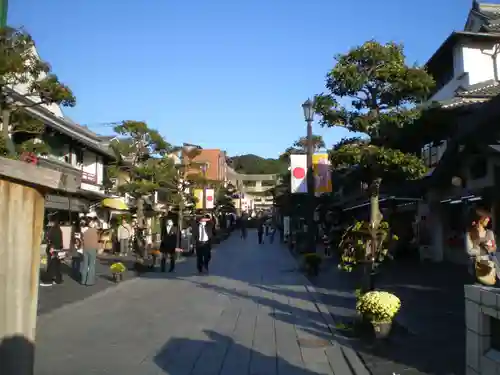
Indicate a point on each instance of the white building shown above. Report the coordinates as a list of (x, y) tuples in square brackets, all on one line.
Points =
[(466, 70)]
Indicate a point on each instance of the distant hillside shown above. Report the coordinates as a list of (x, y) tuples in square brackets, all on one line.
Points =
[(253, 164)]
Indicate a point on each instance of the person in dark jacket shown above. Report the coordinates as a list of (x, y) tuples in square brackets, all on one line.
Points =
[(260, 231), (203, 234), (169, 234), (53, 274)]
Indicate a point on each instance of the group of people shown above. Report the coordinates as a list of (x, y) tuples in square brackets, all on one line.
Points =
[(265, 226), (83, 263), (203, 233)]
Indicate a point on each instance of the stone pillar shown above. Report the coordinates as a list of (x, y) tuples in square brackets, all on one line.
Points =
[(22, 191), (482, 308)]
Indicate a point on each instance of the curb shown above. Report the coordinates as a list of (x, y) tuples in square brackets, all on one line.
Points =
[(353, 360)]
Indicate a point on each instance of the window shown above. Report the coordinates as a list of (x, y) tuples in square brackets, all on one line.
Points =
[(78, 156)]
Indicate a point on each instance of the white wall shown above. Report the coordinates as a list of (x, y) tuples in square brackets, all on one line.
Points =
[(476, 60), (92, 164), (23, 90)]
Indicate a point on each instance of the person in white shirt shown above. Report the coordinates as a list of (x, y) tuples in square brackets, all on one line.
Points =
[(124, 234), (204, 233)]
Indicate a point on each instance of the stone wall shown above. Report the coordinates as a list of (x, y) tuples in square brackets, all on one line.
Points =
[(482, 318)]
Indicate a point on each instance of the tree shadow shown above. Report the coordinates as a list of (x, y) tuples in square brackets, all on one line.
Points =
[(307, 320), (17, 355), (222, 355)]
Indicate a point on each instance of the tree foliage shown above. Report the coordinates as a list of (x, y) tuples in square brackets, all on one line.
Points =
[(253, 164), (300, 147), (383, 92), (21, 67), (144, 164), (224, 199)]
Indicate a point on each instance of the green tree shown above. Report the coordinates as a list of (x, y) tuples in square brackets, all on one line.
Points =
[(253, 164), (144, 164), (300, 147), (20, 66), (384, 92), (224, 199)]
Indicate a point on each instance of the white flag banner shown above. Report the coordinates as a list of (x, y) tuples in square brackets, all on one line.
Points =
[(298, 171), (210, 199)]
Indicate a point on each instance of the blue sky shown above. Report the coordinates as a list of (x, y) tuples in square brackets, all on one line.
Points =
[(219, 73)]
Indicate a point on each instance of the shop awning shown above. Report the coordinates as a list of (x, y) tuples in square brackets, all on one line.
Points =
[(115, 204), (382, 199)]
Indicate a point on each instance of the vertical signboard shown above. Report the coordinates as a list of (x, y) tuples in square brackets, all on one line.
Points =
[(210, 199), (298, 171), (322, 174), (198, 194)]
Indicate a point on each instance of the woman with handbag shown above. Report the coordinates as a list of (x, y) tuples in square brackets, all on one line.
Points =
[(481, 247)]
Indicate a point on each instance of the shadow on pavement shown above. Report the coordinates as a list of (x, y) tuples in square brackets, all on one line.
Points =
[(219, 356), (309, 321), (56, 296), (17, 355), (428, 337)]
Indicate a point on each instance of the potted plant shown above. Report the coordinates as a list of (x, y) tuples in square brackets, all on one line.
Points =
[(379, 308), (312, 261), (117, 270)]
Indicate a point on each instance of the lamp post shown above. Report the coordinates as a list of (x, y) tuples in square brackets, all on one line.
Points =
[(308, 107)]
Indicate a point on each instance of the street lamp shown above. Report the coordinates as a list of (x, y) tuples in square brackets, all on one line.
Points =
[(308, 108)]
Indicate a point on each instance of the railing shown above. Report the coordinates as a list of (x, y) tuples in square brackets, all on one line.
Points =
[(89, 177)]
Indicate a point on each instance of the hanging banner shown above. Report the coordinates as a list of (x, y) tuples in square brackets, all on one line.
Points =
[(209, 199), (198, 194), (322, 174), (298, 169)]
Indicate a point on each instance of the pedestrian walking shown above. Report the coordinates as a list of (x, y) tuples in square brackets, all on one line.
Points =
[(205, 231), (124, 234), (54, 247), (168, 244), (260, 231), (243, 226), (272, 233), (90, 245)]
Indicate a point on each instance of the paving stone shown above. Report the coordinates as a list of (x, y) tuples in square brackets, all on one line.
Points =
[(245, 317)]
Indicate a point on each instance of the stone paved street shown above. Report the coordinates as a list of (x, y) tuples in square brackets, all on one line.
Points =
[(54, 297), (251, 315)]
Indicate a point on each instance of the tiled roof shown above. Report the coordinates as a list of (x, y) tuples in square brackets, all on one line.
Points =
[(486, 89), (477, 93), (493, 26), (490, 10)]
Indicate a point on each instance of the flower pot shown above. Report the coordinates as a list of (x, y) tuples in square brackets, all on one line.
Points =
[(381, 329)]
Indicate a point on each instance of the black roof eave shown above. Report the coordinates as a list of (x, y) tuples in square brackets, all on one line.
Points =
[(479, 124), (455, 37)]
